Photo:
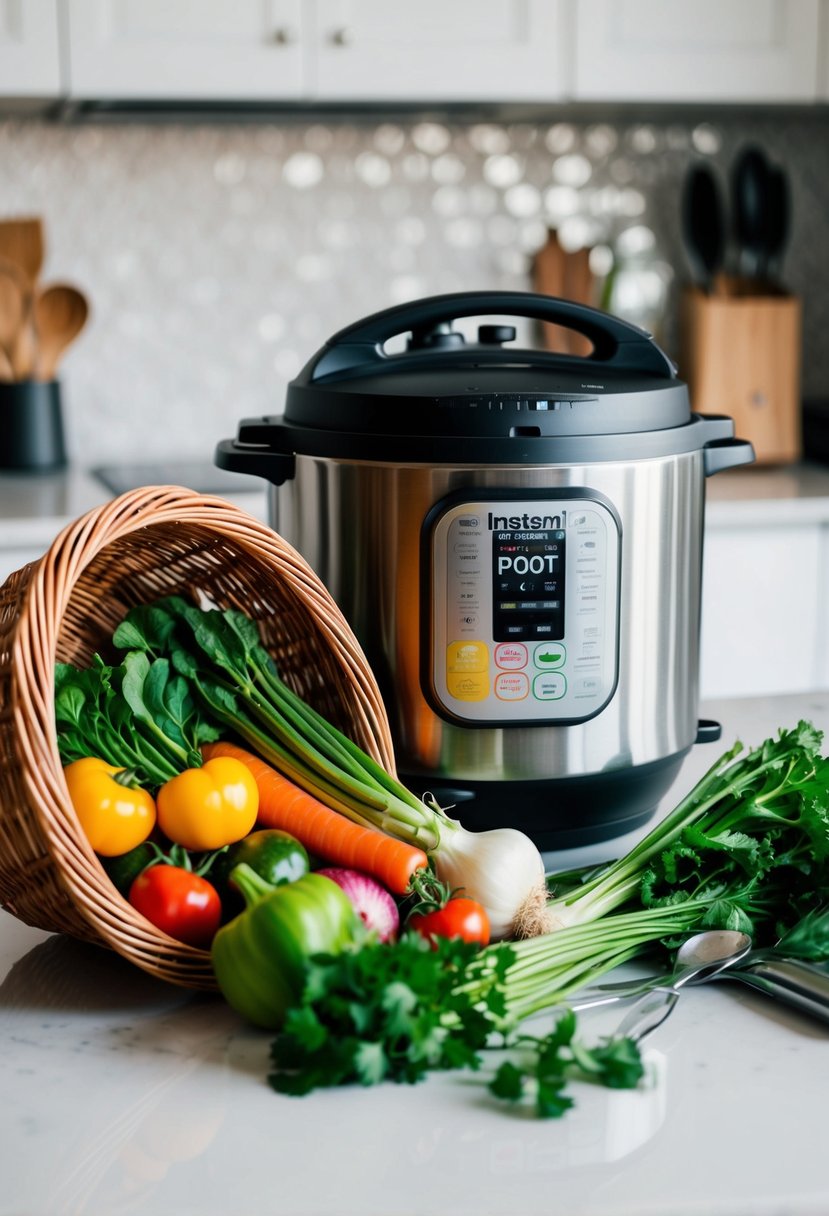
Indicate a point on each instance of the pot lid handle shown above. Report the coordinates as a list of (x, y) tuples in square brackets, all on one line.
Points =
[(616, 343)]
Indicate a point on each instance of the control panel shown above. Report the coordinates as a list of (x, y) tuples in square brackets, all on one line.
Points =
[(524, 605)]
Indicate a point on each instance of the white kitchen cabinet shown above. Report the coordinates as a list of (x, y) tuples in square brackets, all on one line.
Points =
[(29, 49), (711, 50), (437, 51), (198, 50), (763, 616), (315, 49), (433, 52)]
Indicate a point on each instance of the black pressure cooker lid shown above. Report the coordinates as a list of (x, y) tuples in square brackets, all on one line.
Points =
[(444, 399)]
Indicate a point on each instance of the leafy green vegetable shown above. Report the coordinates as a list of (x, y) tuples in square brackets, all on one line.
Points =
[(397, 1011), (753, 832), (745, 849), (388, 1011), (139, 715), (809, 938)]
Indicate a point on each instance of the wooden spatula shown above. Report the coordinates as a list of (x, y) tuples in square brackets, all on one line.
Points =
[(13, 305), (22, 242), (60, 313)]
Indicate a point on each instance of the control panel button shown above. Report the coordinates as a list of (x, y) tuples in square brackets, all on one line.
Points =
[(510, 656), (468, 686), (590, 686), (466, 657), (549, 655), (549, 686), (511, 686)]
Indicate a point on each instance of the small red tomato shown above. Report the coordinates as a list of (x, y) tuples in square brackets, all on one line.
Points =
[(180, 903), (464, 918)]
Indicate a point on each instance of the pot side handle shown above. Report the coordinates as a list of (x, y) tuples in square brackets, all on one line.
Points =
[(722, 454), (256, 460)]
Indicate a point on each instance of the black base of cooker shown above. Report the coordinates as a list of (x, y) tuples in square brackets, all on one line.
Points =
[(565, 813)]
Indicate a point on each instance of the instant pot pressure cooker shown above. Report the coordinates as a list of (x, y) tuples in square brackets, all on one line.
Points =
[(515, 537)]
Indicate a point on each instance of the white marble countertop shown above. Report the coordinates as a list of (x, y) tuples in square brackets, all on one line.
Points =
[(122, 1094), (758, 496), (34, 507)]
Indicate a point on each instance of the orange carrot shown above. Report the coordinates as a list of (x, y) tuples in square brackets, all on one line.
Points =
[(282, 804)]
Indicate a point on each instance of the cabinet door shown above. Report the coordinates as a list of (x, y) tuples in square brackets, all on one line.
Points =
[(823, 52), (196, 49), (492, 50), (762, 621), (710, 50), (29, 56)]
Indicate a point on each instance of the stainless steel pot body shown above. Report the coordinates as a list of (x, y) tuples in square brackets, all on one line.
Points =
[(361, 527)]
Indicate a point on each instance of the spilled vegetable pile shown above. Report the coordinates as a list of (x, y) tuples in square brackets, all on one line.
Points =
[(374, 935)]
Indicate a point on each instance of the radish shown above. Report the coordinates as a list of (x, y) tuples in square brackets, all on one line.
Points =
[(372, 903)]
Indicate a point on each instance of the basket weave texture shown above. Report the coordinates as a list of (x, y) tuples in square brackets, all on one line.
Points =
[(151, 542)]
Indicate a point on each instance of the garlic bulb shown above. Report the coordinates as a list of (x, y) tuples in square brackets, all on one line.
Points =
[(501, 869)]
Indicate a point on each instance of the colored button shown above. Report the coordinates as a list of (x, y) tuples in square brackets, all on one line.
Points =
[(549, 686), (467, 656), (468, 686), (549, 655), (511, 686), (511, 655)]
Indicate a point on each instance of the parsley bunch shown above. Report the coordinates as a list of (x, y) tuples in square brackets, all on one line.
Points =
[(396, 1011), (393, 1011)]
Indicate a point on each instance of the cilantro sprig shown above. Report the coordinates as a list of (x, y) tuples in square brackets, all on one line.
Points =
[(545, 1064)]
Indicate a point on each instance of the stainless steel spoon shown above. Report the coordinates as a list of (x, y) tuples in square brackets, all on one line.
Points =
[(700, 958)]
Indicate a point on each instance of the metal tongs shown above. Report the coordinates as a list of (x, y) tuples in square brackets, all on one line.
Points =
[(716, 954)]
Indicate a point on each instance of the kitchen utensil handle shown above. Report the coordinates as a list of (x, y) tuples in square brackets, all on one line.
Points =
[(648, 1013), (616, 344), (801, 985)]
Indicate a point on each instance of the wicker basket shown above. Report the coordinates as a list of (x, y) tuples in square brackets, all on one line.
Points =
[(148, 543)]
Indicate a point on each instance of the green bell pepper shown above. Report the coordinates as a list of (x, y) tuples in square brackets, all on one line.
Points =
[(259, 958)]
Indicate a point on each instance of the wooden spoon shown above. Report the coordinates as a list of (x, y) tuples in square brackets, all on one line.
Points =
[(12, 315), (22, 242), (60, 313)]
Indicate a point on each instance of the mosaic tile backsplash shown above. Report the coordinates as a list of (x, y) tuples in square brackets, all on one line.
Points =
[(218, 258)]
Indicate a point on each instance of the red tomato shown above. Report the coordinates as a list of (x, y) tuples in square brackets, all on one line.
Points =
[(464, 918), (180, 903)]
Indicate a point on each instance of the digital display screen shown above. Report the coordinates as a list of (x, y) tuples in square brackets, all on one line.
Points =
[(528, 585)]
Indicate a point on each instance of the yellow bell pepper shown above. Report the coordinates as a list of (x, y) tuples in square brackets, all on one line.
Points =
[(115, 814), (209, 807)]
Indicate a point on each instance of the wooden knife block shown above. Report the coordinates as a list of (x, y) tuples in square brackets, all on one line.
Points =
[(740, 355)]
